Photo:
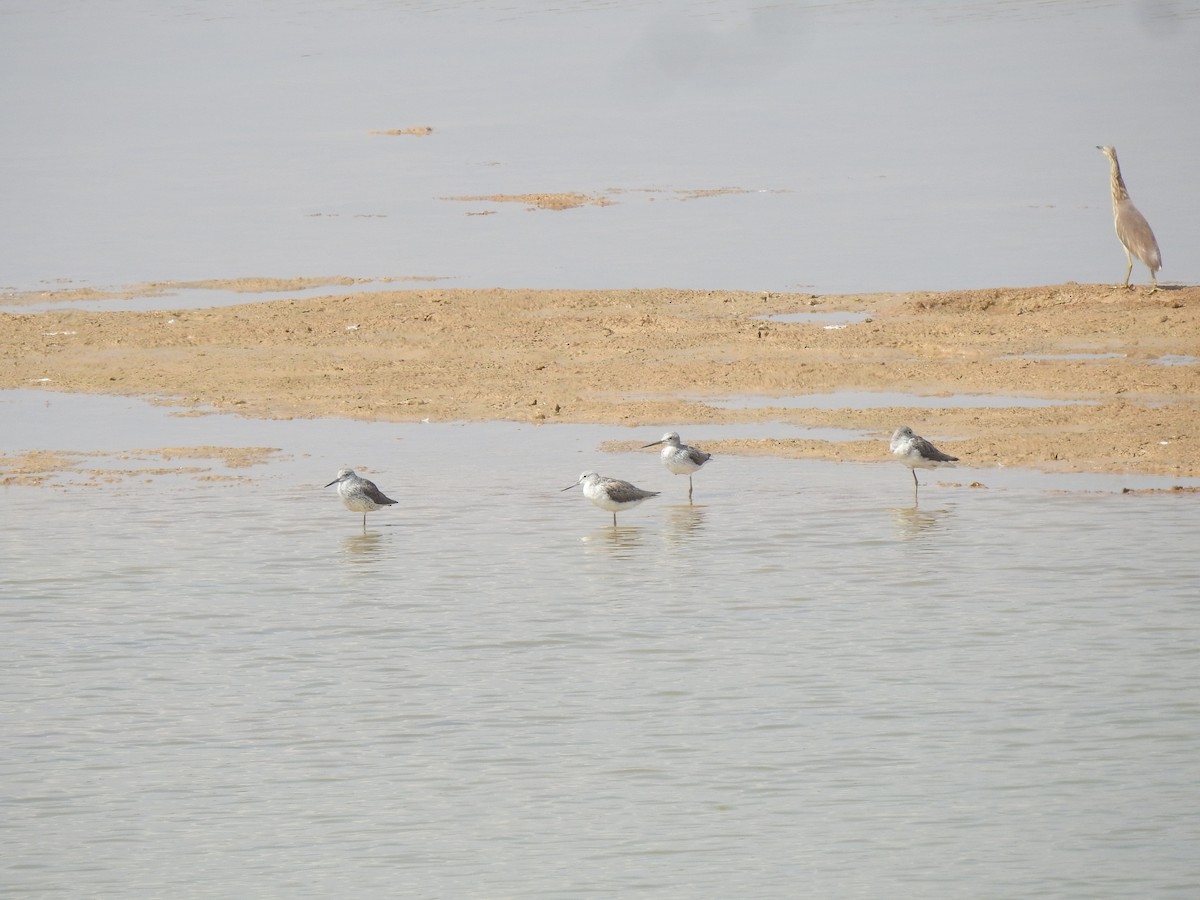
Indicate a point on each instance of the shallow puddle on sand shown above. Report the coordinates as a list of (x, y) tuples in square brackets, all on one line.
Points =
[(185, 297), (1064, 357), (1169, 359), (883, 400), (829, 320)]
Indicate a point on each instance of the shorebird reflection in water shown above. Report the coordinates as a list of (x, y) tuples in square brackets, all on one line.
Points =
[(917, 453), (679, 458), (359, 494), (611, 494)]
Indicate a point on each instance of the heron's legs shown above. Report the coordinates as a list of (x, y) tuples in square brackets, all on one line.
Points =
[(1128, 268), (1153, 281), (689, 489)]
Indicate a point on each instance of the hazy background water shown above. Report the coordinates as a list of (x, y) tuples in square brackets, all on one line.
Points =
[(803, 685), (886, 146)]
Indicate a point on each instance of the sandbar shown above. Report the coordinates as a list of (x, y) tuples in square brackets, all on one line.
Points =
[(1083, 377)]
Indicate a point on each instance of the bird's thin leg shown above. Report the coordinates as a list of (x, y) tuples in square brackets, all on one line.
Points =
[(914, 474), (1153, 281), (364, 523), (614, 520), (1128, 268), (689, 489)]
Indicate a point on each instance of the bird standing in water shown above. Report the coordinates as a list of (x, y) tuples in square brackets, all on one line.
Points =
[(679, 458), (1133, 230), (611, 494), (359, 494), (916, 452)]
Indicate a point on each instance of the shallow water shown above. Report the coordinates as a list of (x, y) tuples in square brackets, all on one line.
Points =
[(805, 683), (1065, 357), (1169, 359), (871, 146), (183, 297), (886, 399), (1176, 359), (829, 320)]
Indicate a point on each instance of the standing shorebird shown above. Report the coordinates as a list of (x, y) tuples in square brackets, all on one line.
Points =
[(679, 458), (359, 494), (611, 494), (1133, 231), (917, 453)]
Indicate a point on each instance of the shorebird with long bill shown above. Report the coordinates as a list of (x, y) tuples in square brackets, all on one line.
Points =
[(611, 494), (359, 494), (679, 458), (917, 453)]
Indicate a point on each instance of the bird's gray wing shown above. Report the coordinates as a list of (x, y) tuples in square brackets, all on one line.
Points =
[(624, 492), (928, 451), (374, 494)]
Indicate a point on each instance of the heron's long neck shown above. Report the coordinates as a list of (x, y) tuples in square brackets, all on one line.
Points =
[(1118, 183)]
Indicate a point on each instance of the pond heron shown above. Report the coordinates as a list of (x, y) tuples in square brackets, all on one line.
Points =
[(1133, 230)]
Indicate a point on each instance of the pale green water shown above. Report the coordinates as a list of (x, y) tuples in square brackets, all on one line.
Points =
[(802, 685)]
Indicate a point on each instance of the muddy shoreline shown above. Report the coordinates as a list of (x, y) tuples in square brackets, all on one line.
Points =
[(1097, 378)]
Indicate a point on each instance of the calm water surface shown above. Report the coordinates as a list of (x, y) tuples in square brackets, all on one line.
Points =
[(886, 399), (872, 146), (804, 685)]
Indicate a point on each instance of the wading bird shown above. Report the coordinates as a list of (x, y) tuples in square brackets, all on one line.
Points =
[(917, 453), (359, 494), (1133, 231), (611, 494), (679, 458)]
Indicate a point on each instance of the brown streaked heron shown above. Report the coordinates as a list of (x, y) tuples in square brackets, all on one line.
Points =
[(1133, 231), (360, 495), (611, 494)]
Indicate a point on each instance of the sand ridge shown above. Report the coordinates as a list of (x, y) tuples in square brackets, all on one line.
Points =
[(1125, 360)]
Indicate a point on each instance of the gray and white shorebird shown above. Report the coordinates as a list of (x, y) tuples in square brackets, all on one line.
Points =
[(360, 495), (917, 453), (611, 494), (679, 458)]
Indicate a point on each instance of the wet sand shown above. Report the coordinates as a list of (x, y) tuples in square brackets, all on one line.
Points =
[(650, 357)]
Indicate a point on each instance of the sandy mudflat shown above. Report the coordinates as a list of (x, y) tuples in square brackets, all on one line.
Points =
[(650, 357)]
